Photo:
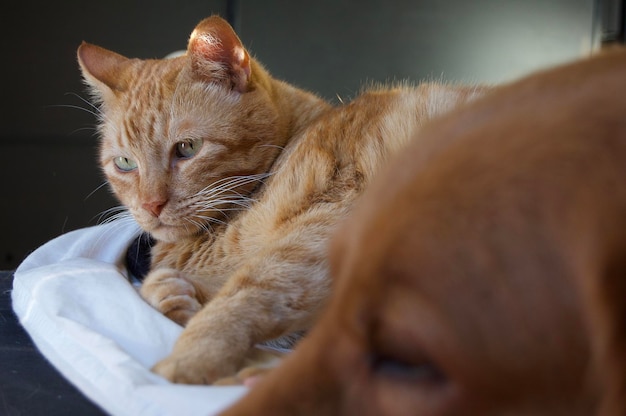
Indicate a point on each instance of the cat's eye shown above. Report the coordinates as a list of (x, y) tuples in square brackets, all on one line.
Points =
[(124, 164), (188, 148)]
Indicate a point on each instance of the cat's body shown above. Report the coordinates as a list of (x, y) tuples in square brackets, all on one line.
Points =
[(241, 179)]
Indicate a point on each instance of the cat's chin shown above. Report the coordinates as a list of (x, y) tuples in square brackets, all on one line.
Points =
[(170, 233)]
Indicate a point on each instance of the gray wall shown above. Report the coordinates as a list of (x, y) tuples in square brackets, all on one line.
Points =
[(47, 148), (334, 46)]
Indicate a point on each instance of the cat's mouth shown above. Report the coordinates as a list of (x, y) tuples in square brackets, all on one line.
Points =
[(169, 232), (167, 229)]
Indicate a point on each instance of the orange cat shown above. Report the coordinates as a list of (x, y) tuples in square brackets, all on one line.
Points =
[(241, 179)]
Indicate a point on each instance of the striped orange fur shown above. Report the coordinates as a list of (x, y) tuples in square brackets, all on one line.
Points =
[(241, 179)]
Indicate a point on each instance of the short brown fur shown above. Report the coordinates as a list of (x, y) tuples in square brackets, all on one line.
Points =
[(483, 272)]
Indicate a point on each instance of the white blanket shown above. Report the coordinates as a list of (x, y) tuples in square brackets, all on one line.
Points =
[(73, 297)]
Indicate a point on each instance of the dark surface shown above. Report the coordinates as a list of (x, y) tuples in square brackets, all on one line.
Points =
[(29, 385), (138, 256)]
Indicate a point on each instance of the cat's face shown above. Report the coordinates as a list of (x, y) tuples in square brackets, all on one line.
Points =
[(185, 140)]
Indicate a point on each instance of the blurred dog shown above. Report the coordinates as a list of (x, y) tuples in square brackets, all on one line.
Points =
[(484, 273)]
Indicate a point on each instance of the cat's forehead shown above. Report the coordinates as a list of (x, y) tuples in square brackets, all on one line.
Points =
[(162, 101), (169, 84), (153, 81)]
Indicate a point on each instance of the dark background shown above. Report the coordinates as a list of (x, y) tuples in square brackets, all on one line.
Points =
[(50, 178)]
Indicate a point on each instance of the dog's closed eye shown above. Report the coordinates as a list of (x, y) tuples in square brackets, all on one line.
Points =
[(403, 371), (405, 362), (415, 381)]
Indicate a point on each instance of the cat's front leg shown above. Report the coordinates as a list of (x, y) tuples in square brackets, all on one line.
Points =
[(217, 340), (257, 363), (211, 347), (175, 296)]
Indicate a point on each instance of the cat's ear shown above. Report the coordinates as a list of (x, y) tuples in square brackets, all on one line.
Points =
[(102, 69), (217, 54)]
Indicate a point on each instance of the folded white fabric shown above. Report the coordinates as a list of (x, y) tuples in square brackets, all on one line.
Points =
[(73, 297)]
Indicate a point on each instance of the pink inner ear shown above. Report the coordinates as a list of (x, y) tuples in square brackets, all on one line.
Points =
[(214, 42), (209, 47)]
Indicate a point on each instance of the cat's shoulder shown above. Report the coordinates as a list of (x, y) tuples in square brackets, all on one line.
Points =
[(430, 97), (428, 89)]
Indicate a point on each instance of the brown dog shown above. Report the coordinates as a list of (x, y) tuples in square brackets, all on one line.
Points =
[(485, 272)]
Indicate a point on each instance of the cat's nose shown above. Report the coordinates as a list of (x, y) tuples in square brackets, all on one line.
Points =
[(154, 207)]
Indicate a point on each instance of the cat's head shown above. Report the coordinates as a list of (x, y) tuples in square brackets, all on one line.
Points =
[(184, 140)]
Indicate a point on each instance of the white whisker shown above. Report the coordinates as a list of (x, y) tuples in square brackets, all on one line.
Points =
[(93, 109), (77, 107), (93, 129), (96, 190), (214, 204), (120, 220), (114, 214), (229, 184), (84, 100), (273, 145), (202, 225)]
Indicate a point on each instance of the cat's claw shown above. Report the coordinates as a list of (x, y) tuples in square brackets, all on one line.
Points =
[(171, 294)]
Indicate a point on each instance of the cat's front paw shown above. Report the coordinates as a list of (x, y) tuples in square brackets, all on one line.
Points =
[(171, 294), (188, 369), (258, 363), (195, 366)]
